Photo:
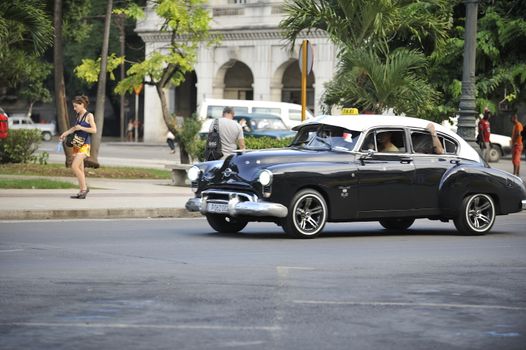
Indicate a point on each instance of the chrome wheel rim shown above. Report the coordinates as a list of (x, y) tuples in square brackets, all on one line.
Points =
[(480, 212), (309, 214)]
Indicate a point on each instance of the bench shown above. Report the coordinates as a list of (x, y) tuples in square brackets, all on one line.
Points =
[(179, 174)]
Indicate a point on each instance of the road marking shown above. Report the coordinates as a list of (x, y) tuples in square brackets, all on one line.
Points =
[(11, 250), (138, 326), (433, 305)]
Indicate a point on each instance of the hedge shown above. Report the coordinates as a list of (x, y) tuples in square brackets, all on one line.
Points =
[(19, 146), (251, 143)]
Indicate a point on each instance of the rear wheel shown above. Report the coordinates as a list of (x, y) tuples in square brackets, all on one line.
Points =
[(307, 215), (397, 224), (477, 215), (494, 154), (225, 223)]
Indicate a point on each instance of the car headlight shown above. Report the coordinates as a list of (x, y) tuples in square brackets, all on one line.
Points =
[(193, 173), (265, 177)]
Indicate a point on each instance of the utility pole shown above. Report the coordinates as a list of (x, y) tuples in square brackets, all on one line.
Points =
[(467, 107)]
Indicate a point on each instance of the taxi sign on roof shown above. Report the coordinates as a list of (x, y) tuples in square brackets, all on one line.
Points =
[(349, 111)]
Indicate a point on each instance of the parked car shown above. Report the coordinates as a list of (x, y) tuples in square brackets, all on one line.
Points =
[(257, 125), (290, 113), (334, 172), (21, 121), (500, 144)]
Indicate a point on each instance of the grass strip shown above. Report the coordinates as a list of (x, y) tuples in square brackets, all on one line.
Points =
[(35, 184), (102, 172)]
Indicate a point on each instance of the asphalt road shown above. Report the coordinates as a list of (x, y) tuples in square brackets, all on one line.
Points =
[(175, 284)]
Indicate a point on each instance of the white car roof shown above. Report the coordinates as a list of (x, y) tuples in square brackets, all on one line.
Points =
[(362, 122)]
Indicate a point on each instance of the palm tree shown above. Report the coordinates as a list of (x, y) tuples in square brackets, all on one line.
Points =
[(374, 73), (22, 20), (359, 23), (373, 83)]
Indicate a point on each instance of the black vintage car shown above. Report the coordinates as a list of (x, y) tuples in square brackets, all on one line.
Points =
[(336, 171)]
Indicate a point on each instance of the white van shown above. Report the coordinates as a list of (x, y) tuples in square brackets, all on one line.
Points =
[(290, 113)]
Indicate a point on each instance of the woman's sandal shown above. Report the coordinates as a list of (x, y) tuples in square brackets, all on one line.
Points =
[(81, 194)]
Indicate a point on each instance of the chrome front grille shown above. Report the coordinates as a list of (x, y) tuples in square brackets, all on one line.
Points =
[(224, 196)]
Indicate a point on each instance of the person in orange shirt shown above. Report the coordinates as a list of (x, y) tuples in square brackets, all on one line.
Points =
[(516, 145)]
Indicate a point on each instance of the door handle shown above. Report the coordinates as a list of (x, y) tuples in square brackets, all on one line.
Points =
[(406, 160)]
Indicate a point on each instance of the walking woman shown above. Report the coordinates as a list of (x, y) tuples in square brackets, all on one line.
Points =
[(84, 127)]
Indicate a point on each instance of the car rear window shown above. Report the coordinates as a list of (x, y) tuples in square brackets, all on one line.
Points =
[(217, 111)]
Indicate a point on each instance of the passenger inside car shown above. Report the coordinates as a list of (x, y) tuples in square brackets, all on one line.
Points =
[(427, 143), (384, 142)]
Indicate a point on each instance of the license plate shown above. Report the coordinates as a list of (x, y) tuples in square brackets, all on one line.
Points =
[(218, 208)]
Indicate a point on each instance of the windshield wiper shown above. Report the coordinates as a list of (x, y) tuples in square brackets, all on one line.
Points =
[(322, 140)]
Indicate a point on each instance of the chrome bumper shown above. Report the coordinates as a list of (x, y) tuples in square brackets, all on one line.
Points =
[(239, 204), (524, 204)]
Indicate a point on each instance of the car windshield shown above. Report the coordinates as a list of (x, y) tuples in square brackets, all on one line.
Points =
[(326, 137)]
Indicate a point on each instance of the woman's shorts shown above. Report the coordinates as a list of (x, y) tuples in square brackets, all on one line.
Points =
[(85, 149), (516, 152)]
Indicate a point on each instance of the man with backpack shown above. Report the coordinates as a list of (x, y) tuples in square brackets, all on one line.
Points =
[(516, 144), (229, 134)]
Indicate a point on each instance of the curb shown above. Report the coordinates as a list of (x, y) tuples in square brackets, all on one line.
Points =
[(113, 213)]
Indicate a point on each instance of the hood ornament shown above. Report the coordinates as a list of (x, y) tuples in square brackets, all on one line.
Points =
[(227, 172)]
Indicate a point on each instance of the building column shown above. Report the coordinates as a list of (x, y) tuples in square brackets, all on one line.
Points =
[(261, 72)]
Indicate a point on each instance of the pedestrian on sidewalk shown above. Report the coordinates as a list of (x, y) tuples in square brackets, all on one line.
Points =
[(485, 132), (170, 140), (516, 145), (84, 127), (129, 130)]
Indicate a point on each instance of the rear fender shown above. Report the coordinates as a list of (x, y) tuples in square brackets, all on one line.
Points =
[(463, 180)]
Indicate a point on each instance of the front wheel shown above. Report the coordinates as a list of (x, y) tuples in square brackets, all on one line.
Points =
[(477, 215), (307, 215), (46, 136), (225, 224), (397, 224)]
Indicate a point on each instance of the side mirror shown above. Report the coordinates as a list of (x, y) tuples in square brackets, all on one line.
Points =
[(368, 155)]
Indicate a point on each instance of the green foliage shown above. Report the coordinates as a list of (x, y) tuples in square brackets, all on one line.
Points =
[(132, 11), (89, 69), (19, 146), (384, 49), (266, 142), (251, 143), (23, 22), (41, 158), (25, 32), (375, 83), (187, 136), (188, 23)]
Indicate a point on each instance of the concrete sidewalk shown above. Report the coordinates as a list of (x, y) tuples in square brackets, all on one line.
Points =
[(107, 198), (111, 198)]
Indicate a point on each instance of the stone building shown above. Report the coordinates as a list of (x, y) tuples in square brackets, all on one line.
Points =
[(251, 62)]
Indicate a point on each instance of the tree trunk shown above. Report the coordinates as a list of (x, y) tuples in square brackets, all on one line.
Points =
[(60, 86), (101, 90), (184, 157)]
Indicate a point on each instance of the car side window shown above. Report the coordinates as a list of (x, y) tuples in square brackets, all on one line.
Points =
[(423, 143), (385, 141)]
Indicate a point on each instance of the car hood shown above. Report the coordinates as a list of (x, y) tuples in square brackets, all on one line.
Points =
[(245, 167)]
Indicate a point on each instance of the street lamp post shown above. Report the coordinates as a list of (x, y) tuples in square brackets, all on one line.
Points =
[(467, 107)]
